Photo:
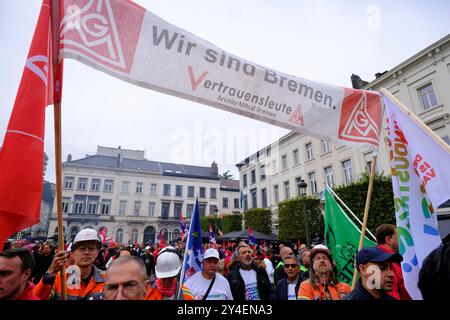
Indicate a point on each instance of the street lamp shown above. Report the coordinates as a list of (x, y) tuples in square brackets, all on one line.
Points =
[(302, 188)]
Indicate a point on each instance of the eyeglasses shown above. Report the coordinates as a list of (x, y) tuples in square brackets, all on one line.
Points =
[(287, 266), (129, 289)]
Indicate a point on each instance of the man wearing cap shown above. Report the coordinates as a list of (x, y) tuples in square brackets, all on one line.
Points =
[(377, 277), (208, 284), (168, 266), (85, 281), (322, 283)]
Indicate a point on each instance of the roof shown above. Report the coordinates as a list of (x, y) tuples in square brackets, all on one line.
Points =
[(147, 166), (229, 184)]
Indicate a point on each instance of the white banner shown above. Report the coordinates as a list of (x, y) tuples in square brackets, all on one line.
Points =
[(123, 39), (421, 182)]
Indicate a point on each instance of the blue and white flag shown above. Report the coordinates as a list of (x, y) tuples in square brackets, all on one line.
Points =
[(251, 238), (193, 256), (241, 200), (420, 169), (212, 237)]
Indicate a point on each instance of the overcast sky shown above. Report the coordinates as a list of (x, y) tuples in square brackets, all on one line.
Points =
[(324, 41)]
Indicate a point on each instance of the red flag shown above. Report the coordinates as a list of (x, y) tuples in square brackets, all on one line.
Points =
[(162, 240), (21, 157)]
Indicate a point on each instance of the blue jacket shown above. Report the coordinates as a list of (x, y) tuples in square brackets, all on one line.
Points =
[(281, 290), (360, 293)]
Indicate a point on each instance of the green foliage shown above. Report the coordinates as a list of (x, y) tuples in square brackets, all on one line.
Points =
[(259, 220), (231, 222), (292, 220), (215, 221), (226, 175), (381, 208)]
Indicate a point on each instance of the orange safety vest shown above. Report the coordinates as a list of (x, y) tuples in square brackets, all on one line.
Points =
[(153, 294), (91, 291), (337, 292)]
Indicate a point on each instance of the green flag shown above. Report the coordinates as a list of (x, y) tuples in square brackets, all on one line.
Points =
[(342, 237)]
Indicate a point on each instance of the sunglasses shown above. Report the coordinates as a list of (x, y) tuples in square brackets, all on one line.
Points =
[(287, 266)]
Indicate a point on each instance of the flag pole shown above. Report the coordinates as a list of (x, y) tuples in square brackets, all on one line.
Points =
[(351, 212), (416, 120), (57, 127), (366, 213)]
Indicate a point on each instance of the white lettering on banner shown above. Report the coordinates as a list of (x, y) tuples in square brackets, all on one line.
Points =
[(41, 72), (124, 40)]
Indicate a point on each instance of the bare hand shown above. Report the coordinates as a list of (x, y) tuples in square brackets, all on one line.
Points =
[(58, 262)]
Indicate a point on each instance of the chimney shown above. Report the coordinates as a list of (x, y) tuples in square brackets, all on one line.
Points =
[(379, 74), (215, 168), (357, 82), (69, 157)]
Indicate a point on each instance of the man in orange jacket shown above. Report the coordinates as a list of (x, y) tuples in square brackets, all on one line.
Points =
[(84, 280), (322, 283), (126, 279)]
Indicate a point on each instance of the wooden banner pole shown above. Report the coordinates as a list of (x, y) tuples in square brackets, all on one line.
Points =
[(366, 214)]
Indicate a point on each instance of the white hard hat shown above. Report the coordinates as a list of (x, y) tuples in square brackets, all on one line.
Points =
[(86, 235), (168, 263)]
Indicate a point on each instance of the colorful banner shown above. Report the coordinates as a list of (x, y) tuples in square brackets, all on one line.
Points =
[(126, 41), (421, 182), (342, 237)]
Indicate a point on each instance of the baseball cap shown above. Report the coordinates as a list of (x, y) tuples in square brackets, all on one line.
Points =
[(168, 263), (211, 253), (375, 254), (87, 234), (146, 248)]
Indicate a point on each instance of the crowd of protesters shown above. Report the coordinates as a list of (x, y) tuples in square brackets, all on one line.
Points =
[(230, 271)]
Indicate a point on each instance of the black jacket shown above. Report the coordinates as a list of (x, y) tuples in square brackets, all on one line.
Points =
[(279, 273), (281, 289), (360, 293), (237, 284)]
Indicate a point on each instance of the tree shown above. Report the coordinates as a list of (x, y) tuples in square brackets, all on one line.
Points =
[(215, 222), (259, 220), (226, 175), (292, 220), (231, 222), (381, 208)]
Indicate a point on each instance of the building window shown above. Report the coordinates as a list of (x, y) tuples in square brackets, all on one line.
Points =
[(151, 209), (276, 194), (225, 202), (253, 176), (177, 207), (284, 163), (297, 182), (213, 210), (254, 198), (427, 96), (68, 183), (65, 204), (295, 156), (122, 207), (244, 180), (312, 182), (119, 236), (236, 203), (108, 187), (105, 206), (125, 186), (202, 192), (262, 171), (134, 236), (92, 207), (309, 151), (139, 187), (347, 166), (95, 185), (246, 202), (202, 209), (264, 197), (166, 190), (153, 188), (213, 193), (287, 192), (329, 176), (178, 191), (79, 206), (325, 146), (190, 191), (137, 208), (189, 209), (165, 208), (82, 182)]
